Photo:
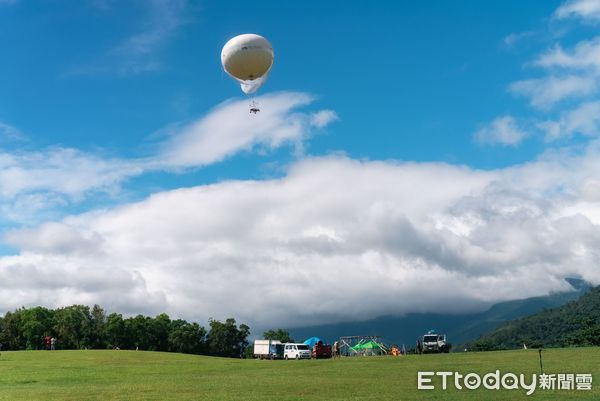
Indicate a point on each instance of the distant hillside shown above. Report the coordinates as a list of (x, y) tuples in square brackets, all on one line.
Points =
[(459, 328), (575, 323)]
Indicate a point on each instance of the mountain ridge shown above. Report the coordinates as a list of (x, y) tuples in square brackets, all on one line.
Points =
[(460, 328)]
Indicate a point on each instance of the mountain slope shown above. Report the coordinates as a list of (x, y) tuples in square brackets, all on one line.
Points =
[(575, 323)]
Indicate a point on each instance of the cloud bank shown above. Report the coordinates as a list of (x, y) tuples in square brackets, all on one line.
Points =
[(335, 239)]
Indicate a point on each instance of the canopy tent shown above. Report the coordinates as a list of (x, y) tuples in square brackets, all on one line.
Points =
[(370, 347), (312, 341)]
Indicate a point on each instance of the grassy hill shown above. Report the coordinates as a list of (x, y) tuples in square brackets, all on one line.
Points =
[(131, 375), (575, 323)]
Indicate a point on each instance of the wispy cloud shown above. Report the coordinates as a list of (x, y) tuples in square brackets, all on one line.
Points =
[(140, 52), (570, 77), (9, 132), (546, 92), (585, 56), (323, 118), (34, 184), (229, 129), (137, 53), (503, 131), (571, 74), (584, 9), (583, 120), (37, 181), (511, 40)]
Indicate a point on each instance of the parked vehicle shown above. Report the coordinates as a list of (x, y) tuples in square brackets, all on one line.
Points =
[(321, 351), (434, 343), (296, 351), (268, 349)]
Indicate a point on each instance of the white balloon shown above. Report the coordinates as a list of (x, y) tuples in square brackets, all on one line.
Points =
[(248, 59)]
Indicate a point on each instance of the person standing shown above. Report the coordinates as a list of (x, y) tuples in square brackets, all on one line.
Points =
[(52, 344)]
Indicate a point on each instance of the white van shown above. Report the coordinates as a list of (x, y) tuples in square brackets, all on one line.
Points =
[(296, 351)]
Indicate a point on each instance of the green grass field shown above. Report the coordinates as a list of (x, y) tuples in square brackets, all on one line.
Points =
[(131, 375)]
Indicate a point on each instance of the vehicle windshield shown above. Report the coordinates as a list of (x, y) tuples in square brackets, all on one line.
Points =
[(302, 346), (429, 339)]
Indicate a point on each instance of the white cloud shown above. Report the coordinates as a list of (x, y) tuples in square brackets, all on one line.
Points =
[(503, 131), (585, 55), (229, 129), (60, 170), (584, 120), (572, 74), (138, 53), (584, 9), (34, 183), (323, 118), (300, 249), (511, 40), (547, 91), (9, 132)]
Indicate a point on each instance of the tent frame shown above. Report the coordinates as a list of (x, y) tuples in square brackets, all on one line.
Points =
[(348, 342)]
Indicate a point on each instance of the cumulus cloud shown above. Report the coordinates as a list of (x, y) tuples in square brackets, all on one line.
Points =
[(503, 131), (584, 9), (308, 248)]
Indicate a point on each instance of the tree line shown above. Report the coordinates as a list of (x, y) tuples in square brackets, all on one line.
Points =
[(82, 327)]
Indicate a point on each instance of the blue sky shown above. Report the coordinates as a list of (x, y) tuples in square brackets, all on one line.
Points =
[(409, 81), (111, 107)]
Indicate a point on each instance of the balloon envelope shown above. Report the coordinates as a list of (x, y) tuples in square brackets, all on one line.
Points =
[(248, 59)]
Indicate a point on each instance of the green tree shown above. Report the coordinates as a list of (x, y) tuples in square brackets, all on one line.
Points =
[(115, 332), (95, 336), (11, 336), (158, 332), (189, 338), (34, 325), (279, 334), (138, 335), (226, 339), (72, 325)]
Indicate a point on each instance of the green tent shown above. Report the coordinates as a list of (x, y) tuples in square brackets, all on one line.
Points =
[(369, 345)]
